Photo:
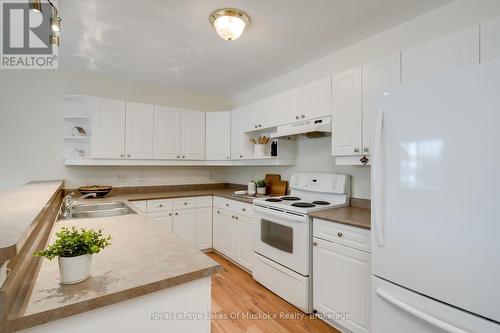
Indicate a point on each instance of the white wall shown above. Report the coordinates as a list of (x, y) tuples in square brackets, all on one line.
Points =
[(31, 127), (314, 155)]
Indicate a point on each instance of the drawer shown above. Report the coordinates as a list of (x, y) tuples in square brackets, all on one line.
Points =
[(202, 202), (356, 238), (224, 203), (159, 205), (184, 203), (141, 205), (243, 209)]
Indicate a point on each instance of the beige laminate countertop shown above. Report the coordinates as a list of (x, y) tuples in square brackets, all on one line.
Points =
[(144, 257), (355, 216), (19, 209)]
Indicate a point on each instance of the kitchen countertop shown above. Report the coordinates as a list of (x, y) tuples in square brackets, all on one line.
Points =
[(144, 257), (354, 216), (19, 208)]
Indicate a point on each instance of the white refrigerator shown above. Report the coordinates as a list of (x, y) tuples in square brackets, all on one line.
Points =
[(436, 205)]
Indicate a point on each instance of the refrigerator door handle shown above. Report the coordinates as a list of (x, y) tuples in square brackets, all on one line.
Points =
[(377, 179), (446, 327)]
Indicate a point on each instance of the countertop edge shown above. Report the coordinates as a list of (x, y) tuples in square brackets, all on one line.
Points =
[(322, 215), (24, 322)]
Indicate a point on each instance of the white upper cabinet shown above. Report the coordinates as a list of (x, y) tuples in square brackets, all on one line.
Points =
[(192, 135), (378, 77), (289, 106), (347, 113), (139, 130), (240, 144), (108, 128), (452, 51), (490, 40), (268, 112), (218, 136), (317, 99), (167, 133)]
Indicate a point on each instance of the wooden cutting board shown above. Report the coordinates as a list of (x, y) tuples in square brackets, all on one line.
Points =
[(276, 186)]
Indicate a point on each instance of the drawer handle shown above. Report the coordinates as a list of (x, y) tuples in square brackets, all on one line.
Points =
[(185, 203), (340, 234), (315, 243)]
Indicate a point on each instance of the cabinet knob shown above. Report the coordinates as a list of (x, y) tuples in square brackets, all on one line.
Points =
[(241, 156), (121, 155), (160, 205), (176, 213), (297, 117), (356, 150), (185, 203), (340, 234), (183, 156), (128, 155), (255, 126), (366, 149), (236, 217), (315, 243), (178, 156), (169, 214), (227, 157), (260, 125), (232, 216), (218, 212), (303, 116), (244, 209), (227, 205)]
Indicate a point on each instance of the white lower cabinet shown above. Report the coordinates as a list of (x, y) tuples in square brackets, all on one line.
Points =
[(232, 231), (341, 285), (204, 228), (164, 218), (184, 225)]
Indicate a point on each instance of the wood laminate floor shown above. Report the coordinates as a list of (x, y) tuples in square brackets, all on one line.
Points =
[(239, 304)]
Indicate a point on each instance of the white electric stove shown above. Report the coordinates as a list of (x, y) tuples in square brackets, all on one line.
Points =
[(283, 234)]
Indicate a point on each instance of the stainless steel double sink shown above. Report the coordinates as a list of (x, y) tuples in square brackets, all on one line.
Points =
[(104, 209)]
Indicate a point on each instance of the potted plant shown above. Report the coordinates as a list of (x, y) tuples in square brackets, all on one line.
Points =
[(261, 186), (74, 249)]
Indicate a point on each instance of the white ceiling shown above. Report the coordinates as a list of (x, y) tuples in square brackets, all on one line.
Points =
[(171, 41)]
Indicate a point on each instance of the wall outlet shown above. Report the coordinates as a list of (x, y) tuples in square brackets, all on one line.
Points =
[(121, 177)]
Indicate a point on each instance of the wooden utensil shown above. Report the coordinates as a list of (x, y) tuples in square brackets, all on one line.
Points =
[(270, 180), (279, 188)]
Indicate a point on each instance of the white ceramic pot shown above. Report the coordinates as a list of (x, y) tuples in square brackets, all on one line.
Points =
[(261, 190), (75, 269), (259, 150)]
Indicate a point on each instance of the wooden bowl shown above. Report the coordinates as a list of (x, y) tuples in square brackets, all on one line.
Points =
[(99, 190)]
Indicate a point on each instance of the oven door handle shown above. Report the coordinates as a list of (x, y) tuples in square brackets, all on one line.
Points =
[(282, 215)]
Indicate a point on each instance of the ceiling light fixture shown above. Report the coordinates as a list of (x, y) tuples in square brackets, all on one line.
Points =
[(229, 23), (35, 5)]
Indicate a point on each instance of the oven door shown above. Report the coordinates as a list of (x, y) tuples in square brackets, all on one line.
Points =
[(284, 238)]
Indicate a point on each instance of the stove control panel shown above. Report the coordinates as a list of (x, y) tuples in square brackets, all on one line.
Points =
[(320, 182)]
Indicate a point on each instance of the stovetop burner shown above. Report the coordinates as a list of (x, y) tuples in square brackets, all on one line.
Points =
[(321, 202), (274, 200), (290, 198), (303, 204)]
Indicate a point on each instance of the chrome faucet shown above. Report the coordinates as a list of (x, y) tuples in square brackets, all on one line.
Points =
[(69, 202)]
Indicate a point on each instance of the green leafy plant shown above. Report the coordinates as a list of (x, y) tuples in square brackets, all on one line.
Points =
[(73, 242), (260, 183)]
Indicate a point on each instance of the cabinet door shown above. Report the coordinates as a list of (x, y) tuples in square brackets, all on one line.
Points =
[(317, 99), (218, 140), (204, 228), (346, 121), (184, 225), (452, 51), (268, 112), (192, 135), (245, 252), (237, 134), (289, 106), (250, 117), (229, 238), (108, 128), (341, 279), (139, 131), (378, 77), (490, 40), (218, 227), (167, 133), (164, 218)]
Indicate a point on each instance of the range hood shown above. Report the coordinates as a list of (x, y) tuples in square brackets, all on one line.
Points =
[(312, 128)]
